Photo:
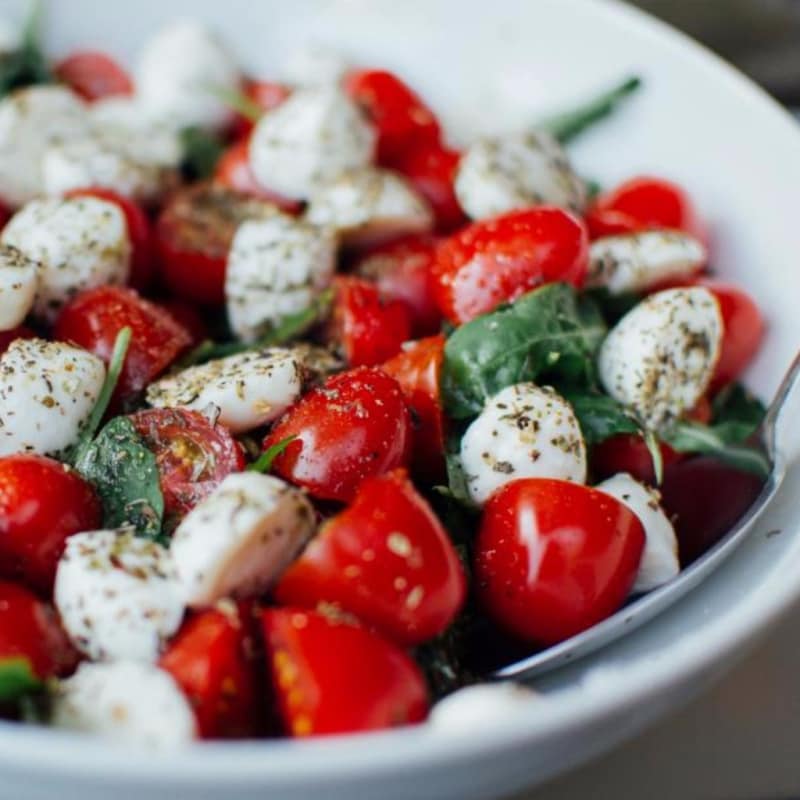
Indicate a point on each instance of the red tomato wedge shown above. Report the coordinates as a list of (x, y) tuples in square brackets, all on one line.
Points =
[(93, 75)]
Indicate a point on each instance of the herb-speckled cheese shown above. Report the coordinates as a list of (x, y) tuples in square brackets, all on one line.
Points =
[(239, 540), (19, 277)]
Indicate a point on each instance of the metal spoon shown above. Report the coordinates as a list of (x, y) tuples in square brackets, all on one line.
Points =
[(647, 606)]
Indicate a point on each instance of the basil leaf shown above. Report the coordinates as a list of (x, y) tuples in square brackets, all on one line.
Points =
[(125, 473), (734, 404), (600, 416), (613, 306), (550, 332), (263, 463), (26, 65), (17, 679), (201, 152)]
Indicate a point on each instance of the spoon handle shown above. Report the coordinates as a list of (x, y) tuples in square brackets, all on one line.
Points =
[(771, 424)]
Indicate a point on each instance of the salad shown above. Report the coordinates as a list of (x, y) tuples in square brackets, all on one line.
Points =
[(309, 419)]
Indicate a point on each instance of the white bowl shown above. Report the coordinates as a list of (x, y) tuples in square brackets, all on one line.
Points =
[(491, 66)]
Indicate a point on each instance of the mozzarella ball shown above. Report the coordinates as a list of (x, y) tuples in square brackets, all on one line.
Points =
[(315, 65), (369, 206), (637, 262), (47, 392), (127, 702), (502, 174), (79, 243), (659, 562), (467, 710), (312, 137), (178, 70), (117, 595), (18, 281), (239, 540), (524, 431), (31, 120), (276, 266), (659, 358), (249, 389)]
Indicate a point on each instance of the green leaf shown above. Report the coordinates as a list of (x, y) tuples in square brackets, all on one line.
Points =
[(548, 332), (613, 306), (600, 416), (201, 152), (734, 404), (263, 463), (26, 65), (654, 448), (17, 679), (238, 102), (125, 473), (569, 124)]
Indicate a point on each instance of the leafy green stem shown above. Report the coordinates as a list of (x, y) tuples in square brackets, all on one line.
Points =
[(237, 101), (263, 463)]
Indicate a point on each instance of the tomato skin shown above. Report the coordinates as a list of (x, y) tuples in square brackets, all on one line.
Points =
[(353, 427), (335, 677), (140, 233), (92, 319), (193, 456), (402, 120), (42, 502), (21, 332), (552, 558), (627, 452), (412, 586), (266, 95), (418, 370), (93, 75), (641, 203), (496, 260), (189, 317), (366, 329), (5, 214), (401, 270), (212, 659)]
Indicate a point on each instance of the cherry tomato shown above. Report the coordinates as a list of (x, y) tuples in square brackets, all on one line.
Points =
[(431, 171), (42, 502), (212, 659), (266, 95), (385, 559), (5, 215), (92, 319), (6, 337), (402, 120), (496, 260), (193, 456), (401, 270), (331, 676), (627, 452), (194, 234), (418, 371), (29, 628), (93, 75), (642, 203), (553, 558), (366, 329), (705, 498), (353, 427), (189, 316), (233, 171), (140, 234)]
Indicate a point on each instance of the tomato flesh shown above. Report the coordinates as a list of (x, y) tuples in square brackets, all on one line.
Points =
[(94, 75)]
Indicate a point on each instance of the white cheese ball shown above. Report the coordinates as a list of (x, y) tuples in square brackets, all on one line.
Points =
[(31, 120), (315, 65), (659, 358), (47, 392), (515, 171), (369, 206), (79, 243), (467, 710), (177, 71), (117, 595), (276, 266), (126, 702), (659, 562), (249, 389), (312, 137), (19, 276), (637, 262), (241, 538), (524, 431)]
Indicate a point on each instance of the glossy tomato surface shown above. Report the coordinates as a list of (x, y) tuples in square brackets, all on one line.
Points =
[(553, 558), (93, 75)]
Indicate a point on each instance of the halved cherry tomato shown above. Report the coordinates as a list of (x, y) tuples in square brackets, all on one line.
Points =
[(431, 170), (42, 502), (21, 332), (353, 427), (193, 456), (212, 659), (29, 628), (553, 558), (266, 95), (627, 452), (140, 233), (641, 203), (331, 676), (401, 118), (496, 260), (401, 270), (93, 75), (194, 234), (386, 559), (418, 371), (92, 319), (366, 329)]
